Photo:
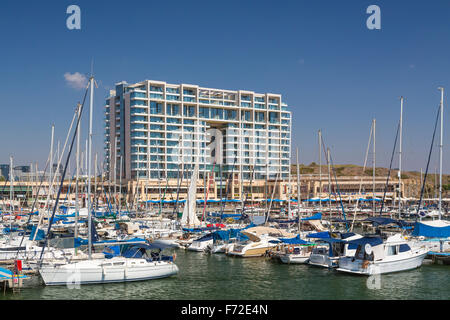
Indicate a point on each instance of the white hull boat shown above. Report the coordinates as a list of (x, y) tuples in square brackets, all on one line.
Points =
[(117, 269), (394, 255)]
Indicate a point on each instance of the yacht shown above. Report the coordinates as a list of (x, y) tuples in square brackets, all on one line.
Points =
[(260, 240), (375, 256), (332, 247), (201, 243)]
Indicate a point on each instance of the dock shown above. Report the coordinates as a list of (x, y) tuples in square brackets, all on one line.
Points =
[(440, 257)]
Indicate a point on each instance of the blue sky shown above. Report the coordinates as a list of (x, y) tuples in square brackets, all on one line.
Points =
[(334, 73)]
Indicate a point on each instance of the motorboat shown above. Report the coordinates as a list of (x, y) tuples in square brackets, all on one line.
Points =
[(375, 256), (260, 240), (330, 247), (201, 243)]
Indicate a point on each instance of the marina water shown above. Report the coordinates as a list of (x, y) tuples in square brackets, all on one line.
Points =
[(219, 277)]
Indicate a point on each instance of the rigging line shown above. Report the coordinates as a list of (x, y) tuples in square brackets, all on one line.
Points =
[(63, 175), (428, 162), (329, 187), (179, 183), (34, 203), (337, 186), (389, 172), (227, 183), (339, 192), (53, 179), (362, 175)]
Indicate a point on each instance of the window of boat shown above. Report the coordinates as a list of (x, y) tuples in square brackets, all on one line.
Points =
[(404, 247), (392, 250), (106, 264), (118, 263)]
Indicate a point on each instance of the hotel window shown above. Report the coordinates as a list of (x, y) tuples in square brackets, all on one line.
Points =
[(230, 115), (137, 103), (189, 92), (173, 98), (156, 96), (172, 90), (156, 119), (216, 113), (246, 116), (156, 88), (204, 112), (260, 116), (189, 111), (156, 107), (156, 127)]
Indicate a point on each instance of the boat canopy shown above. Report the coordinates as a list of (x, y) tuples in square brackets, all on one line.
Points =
[(373, 241), (384, 221), (432, 229), (317, 216), (296, 240)]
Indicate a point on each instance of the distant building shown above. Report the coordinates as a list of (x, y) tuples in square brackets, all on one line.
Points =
[(4, 171)]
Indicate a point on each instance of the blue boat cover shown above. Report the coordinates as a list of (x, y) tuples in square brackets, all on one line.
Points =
[(373, 241), (40, 235), (424, 230), (295, 240), (317, 216)]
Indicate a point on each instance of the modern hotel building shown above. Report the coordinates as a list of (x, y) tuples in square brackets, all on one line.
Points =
[(155, 131)]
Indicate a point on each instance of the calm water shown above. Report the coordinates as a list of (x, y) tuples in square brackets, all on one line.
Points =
[(204, 277)]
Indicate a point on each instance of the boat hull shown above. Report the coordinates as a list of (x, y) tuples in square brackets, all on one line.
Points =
[(356, 267), (294, 258), (94, 273)]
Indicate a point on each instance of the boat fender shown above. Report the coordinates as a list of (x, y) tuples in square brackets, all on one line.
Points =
[(174, 256), (365, 264)]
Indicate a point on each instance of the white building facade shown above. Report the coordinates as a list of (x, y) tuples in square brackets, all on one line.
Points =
[(155, 130)]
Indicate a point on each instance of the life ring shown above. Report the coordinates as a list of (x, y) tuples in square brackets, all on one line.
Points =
[(291, 249)]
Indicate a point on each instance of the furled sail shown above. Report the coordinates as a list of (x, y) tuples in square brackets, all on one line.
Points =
[(189, 217)]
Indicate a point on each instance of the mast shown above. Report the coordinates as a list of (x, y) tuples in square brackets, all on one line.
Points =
[(400, 160), (320, 170), (440, 151), (91, 107), (95, 182), (373, 170), (120, 186), (298, 194), (11, 195), (329, 180), (77, 159), (51, 160)]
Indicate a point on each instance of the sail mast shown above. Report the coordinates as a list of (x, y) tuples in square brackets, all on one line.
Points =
[(298, 194), (91, 107), (373, 170), (320, 170), (440, 151), (400, 161)]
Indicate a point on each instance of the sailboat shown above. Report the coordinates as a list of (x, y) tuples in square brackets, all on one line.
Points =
[(101, 270), (435, 234)]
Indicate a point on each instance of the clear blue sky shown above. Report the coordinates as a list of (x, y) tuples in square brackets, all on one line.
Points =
[(334, 73)]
